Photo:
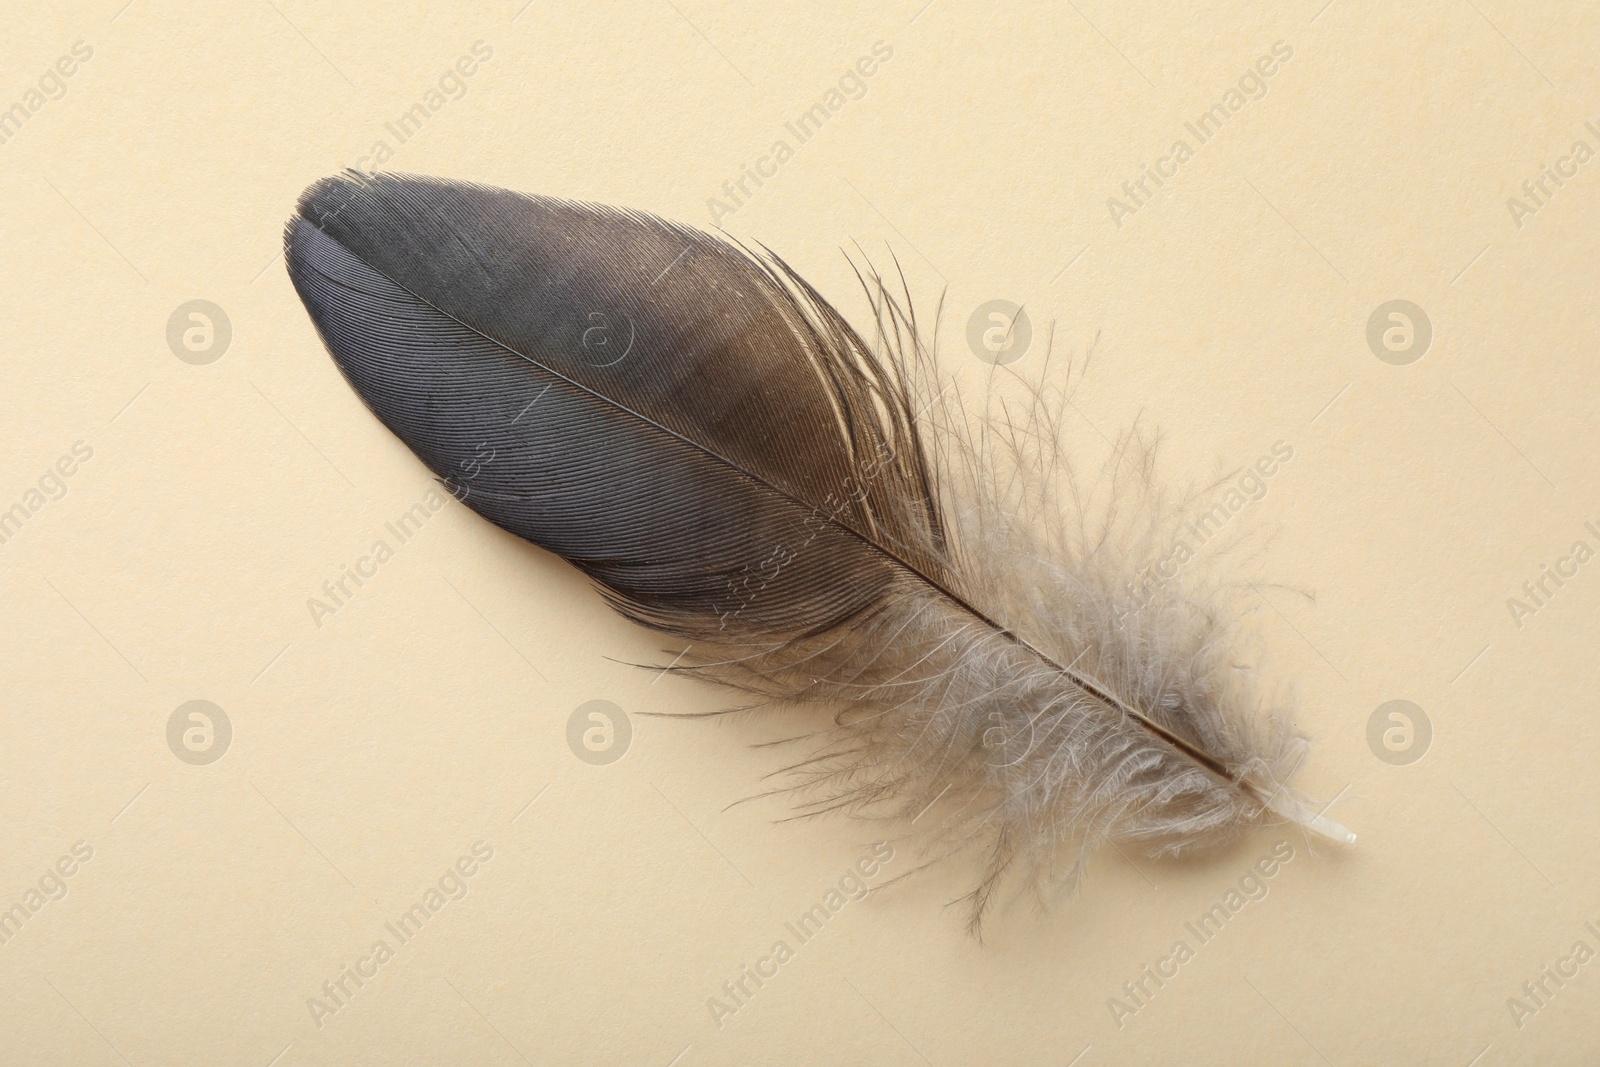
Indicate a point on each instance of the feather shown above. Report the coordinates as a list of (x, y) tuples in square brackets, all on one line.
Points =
[(695, 428)]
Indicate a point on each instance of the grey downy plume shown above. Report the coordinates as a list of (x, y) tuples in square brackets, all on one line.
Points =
[(696, 429)]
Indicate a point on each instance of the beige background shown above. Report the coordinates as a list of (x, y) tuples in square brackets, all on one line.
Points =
[(428, 713)]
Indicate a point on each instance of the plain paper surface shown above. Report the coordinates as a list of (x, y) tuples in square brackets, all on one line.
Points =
[(413, 760)]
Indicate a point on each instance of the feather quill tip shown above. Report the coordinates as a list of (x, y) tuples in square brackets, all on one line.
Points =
[(1296, 812)]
